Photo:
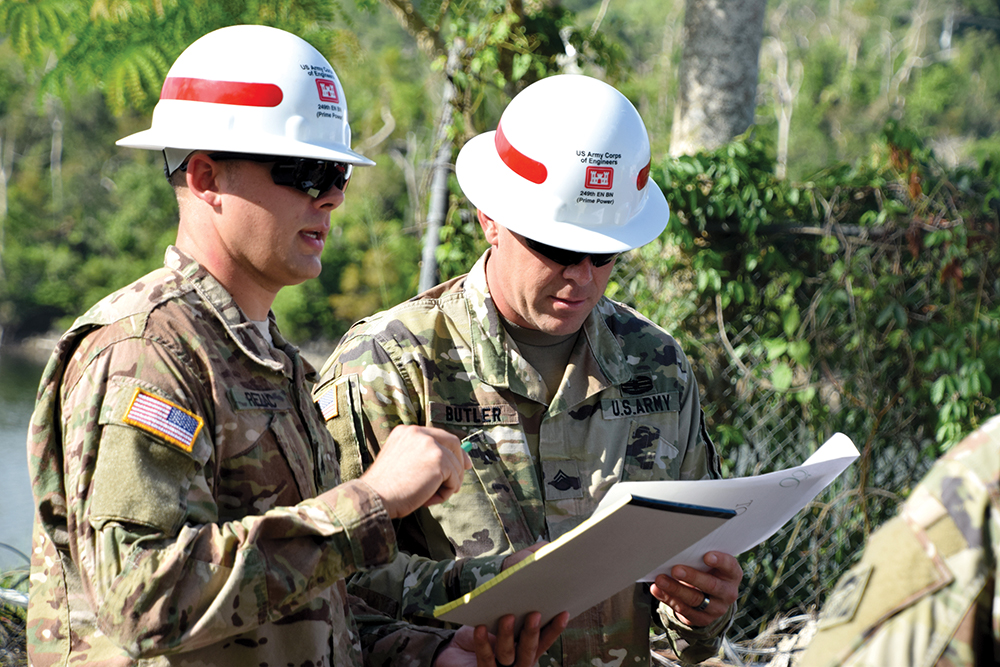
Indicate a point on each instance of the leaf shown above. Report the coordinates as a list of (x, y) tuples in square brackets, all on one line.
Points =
[(885, 315), (790, 321), (781, 377), (522, 62), (799, 351), (938, 389), (829, 245), (775, 348)]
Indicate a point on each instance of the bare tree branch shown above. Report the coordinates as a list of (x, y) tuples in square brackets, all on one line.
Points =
[(428, 39)]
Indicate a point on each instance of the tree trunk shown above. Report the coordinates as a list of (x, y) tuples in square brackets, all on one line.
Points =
[(55, 162), (718, 73), (4, 177), (437, 209), (786, 89)]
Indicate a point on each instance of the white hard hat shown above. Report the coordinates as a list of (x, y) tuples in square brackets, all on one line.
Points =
[(568, 165), (250, 89)]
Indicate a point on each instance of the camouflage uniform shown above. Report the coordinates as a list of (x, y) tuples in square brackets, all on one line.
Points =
[(925, 591), (628, 408), (176, 459)]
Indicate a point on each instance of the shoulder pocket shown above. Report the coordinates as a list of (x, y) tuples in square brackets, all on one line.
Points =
[(145, 459), (650, 452), (339, 401), (900, 566)]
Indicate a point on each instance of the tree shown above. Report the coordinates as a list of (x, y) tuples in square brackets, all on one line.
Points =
[(718, 73), (485, 48), (64, 64)]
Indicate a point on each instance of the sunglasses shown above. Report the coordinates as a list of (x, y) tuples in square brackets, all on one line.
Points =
[(569, 257), (309, 175)]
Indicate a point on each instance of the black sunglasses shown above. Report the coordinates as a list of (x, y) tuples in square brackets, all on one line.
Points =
[(569, 257), (308, 175)]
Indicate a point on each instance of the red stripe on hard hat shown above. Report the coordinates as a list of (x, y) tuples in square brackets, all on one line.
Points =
[(520, 164), (221, 92), (643, 177)]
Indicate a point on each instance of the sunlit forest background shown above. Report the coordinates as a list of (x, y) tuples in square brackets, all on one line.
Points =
[(80, 217), (832, 268)]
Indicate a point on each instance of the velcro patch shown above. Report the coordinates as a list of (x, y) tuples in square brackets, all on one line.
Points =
[(328, 403), (843, 602), (249, 399), (163, 418), (473, 414), (562, 480), (621, 408)]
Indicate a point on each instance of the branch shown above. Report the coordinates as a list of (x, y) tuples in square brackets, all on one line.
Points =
[(600, 17), (389, 124)]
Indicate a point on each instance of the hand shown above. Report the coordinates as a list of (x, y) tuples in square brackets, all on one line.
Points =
[(688, 587), (418, 466), (518, 556), (478, 647)]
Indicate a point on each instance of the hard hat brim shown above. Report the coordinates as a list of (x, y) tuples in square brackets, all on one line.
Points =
[(506, 198), (262, 144)]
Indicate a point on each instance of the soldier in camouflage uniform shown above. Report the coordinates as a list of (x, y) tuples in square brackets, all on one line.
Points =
[(557, 391), (925, 591), (188, 501)]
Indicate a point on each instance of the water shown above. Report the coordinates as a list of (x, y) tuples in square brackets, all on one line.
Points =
[(18, 383)]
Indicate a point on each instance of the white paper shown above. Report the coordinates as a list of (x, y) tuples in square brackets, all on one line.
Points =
[(605, 553), (763, 503)]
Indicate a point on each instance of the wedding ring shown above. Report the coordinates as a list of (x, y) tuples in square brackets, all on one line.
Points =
[(703, 605)]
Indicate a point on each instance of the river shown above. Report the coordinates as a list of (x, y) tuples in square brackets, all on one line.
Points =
[(18, 383)]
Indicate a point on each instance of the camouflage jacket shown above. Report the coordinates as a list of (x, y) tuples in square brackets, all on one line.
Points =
[(925, 591), (628, 408), (177, 462)]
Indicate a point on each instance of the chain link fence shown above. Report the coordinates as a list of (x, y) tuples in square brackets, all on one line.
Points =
[(759, 429)]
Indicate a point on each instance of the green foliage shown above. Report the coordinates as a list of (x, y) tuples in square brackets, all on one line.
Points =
[(125, 47), (59, 263), (13, 619), (860, 295), (493, 51), (885, 272), (866, 301), (461, 242), (863, 64)]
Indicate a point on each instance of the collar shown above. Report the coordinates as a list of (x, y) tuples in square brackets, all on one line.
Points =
[(237, 325)]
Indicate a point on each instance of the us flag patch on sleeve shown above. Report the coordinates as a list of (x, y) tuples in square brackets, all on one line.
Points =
[(328, 403), (161, 417)]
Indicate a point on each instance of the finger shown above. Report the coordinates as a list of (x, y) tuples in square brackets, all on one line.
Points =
[(690, 578), (452, 473), (518, 556), (550, 633), (505, 649), (451, 466), (685, 601), (724, 588), (703, 605), (725, 566), (527, 641), (450, 443), (667, 589), (483, 647), (686, 593)]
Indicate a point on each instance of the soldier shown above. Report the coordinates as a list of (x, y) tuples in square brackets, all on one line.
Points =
[(925, 590), (557, 391), (188, 507)]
